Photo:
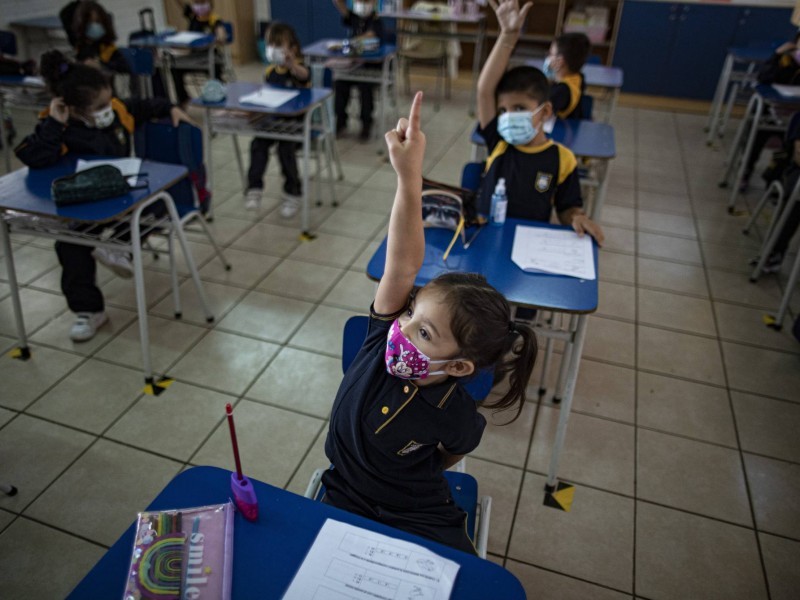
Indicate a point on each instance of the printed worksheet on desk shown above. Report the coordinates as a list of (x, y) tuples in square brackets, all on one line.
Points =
[(347, 562), (556, 251)]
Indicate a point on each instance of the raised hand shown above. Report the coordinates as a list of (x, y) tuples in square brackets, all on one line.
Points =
[(509, 15), (407, 143)]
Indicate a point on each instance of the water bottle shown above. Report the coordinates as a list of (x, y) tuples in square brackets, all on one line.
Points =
[(499, 203)]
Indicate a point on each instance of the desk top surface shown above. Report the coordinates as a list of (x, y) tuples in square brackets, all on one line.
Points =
[(22, 81), (305, 100), (773, 96), (48, 22), (490, 255), (160, 41), (268, 553), (594, 75), (28, 191), (320, 49)]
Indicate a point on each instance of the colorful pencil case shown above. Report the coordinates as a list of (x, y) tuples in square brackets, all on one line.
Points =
[(183, 553)]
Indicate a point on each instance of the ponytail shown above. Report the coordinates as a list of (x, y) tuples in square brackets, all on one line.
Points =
[(76, 83), (517, 366)]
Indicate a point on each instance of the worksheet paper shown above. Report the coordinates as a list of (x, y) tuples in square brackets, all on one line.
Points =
[(556, 251), (787, 91), (129, 167), (347, 562), (268, 97), (185, 37)]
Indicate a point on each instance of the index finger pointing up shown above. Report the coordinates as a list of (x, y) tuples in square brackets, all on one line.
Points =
[(415, 116)]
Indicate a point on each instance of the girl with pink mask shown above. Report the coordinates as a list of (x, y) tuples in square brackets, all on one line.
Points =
[(401, 415)]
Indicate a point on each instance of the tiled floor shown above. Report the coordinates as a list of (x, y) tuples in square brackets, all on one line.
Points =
[(683, 446)]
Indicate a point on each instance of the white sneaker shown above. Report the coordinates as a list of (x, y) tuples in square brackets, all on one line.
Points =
[(291, 204), (118, 263), (86, 325), (252, 199)]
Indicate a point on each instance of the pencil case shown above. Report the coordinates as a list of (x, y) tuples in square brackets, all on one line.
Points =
[(182, 553), (90, 185)]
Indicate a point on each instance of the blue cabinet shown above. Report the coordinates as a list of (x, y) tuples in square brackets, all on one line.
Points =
[(677, 49), (311, 19)]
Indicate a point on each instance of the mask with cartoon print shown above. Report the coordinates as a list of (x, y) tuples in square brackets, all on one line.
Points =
[(404, 359)]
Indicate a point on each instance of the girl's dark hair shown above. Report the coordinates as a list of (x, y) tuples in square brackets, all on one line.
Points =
[(528, 80), (83, 16), (76, 83), (279, 32), (481, 324)]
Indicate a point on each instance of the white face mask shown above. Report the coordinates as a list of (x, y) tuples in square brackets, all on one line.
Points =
[(103, 118), (362, 9), (276, 55)]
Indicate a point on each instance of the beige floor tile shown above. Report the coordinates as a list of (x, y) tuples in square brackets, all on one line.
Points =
[(693, 476), (301, 381), (689, 314), (220, 300), (610, 340), (679, 555), (506, 441), (781, 557), (223, 229), (502, 483), (122, 292), (56, 332), (596, 452), (727, 229), (735, 287), (746, 325), (594, 541), (360, 264), (774, 486), (236, 362), (371, 200), (112, 483), (6, 518), (25, 546), (354, 290), (662, 201), (272, 442), (548, 585), (620, 195), (685, 408), (613, 266), (316, 215), (268, 238), (315, 459), (329, 249), (668, 223), (168, 338), (655, 245), (173, 424), (30, 263), (322, 331), (37, 309), (727, 257), (300, 279), (671, 276), (680, 354), (72, 403), (233, 205), (201, 253), (618, 216), (762, 371), (271, 318), (353, 223), (617, 300), (34, 453), (768, 426), (619, 239), (247, 268), (6, 416), (24, 381)]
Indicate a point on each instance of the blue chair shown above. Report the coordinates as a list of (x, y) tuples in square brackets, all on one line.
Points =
[(142, 64), (587, 107), (8, 43), (463, 487)]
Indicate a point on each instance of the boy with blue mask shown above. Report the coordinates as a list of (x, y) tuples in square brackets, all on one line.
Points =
[(512, 109), (568, 54)]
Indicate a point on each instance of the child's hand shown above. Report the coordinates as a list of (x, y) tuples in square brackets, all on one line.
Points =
[(407, 143), (222, 35), (179, 115), (784, 48), (59, 110), (509, 15), (583, 224)]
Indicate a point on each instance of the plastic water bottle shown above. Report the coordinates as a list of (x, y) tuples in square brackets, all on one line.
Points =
[(499, 203)]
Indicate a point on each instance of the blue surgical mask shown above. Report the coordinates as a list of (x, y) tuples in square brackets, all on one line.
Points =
[(95, 30), (547, 68), (517, 128)]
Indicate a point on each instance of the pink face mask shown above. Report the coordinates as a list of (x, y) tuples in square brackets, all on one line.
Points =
[(201, 9), (404, 359)]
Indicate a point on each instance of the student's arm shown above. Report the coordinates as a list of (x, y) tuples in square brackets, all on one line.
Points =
[(405, 249), (297, 69), (143, 110), (45, 145), (560, 97), (448, 460), (341, 6), (511, 19), (581, 223), (568, 201)]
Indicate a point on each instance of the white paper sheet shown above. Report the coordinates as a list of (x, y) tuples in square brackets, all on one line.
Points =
[(268, 97), (29, 80), (787, 91), (126, 166), (184, 37), (556, 251), (348, 562)]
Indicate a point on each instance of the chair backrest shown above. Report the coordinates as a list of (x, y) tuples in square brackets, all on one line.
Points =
[(228, 31), (355, 331), (471, 175), (8, 43), (464, 488), (141, 60), (587, 107)]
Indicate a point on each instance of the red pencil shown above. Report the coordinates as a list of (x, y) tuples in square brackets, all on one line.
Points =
[(229, 411)]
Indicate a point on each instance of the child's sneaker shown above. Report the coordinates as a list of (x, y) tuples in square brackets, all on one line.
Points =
[(291, 204), (773, 264), (118, 263), (86, 325), (252, 199)]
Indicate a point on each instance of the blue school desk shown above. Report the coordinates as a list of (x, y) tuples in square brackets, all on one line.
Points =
[(292, 121), (587, 140), (267, 553), (17, 91), (320, 56), (27, 208), (161, 41), (490, 255), (39, 30), (609, 79), (755, 119)]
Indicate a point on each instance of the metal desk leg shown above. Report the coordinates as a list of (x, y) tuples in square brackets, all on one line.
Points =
[(207, 153), (730, 160), (719, 98), (612, 105), (748, 148), (564, 369), (24, 351), (211, 61), (787, 293), (306, 235), (4, 135), (566, 405), (476, 63), (775, 231), (600, 197), (141, 299), (237, 152)]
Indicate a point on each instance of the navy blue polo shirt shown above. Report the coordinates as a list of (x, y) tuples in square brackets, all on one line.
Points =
[(384, 431)]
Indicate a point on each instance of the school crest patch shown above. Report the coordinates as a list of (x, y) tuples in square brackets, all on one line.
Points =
[(410, 447), (542, 182)]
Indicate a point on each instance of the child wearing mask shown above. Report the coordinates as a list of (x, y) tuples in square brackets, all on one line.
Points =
[(286, 69), (94, 35), (362, 22), (568, 54)]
